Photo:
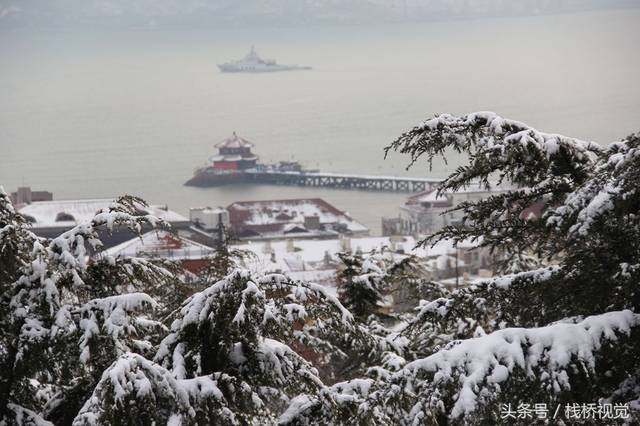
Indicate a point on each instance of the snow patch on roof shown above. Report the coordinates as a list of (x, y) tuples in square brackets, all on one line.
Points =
[(286, 212), (234, 141), (307, 255), (67, 213), (161, 244)]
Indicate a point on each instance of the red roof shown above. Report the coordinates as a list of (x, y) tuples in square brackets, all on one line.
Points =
[(272, 215)]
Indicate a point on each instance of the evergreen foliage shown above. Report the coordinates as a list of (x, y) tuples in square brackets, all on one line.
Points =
[(586, 235), (234, 341), (360, 284), (81, 343), (55, 337), (225, 259)]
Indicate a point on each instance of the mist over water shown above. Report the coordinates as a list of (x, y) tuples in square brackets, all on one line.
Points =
[(98, 114)]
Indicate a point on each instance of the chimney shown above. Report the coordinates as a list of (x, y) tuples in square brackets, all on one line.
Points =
[(23, 195)]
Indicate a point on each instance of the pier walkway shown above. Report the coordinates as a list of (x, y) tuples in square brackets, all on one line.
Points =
[(342, 181)]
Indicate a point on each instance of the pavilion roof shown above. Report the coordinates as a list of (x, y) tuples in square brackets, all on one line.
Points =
[(234, 141)]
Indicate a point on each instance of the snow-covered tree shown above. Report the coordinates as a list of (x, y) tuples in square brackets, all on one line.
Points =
[(473, 352), (56, 335), (408, 280), (360, 283), (79, 343), (241, 341), (15, 241), (78, 347), (225, 259)]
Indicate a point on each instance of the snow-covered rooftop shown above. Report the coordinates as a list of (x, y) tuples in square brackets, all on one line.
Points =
[(316, 255), (431, 196), (67, 213), (161, 244), (212, 210), (281, 215)]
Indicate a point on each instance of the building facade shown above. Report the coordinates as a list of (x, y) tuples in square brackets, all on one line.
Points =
[(51, 218), (234, 154), (159, 244), (295, 218), (24, 195), (427, 212)]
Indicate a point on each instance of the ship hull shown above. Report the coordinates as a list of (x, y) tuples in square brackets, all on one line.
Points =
[(256, 70)]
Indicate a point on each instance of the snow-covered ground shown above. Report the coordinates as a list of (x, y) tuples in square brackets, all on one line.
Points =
[(315, 260)]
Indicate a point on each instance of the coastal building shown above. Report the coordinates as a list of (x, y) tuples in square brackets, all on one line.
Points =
[(159, 244), (234, 153), (208, 225), (24, 195), (296, 218), (316, 260), (51, 218), (427, 212)]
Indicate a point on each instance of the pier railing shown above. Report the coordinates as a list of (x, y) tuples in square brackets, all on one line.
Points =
[(342, 181)]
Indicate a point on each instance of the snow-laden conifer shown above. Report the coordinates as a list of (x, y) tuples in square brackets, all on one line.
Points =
[(584, 239), (361, 283), (50, 321)]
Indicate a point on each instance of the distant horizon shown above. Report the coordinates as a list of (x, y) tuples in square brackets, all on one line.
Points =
[(264, 14)]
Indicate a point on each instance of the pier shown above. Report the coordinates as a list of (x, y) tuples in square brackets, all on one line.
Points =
[(342, 181), (235, 163)]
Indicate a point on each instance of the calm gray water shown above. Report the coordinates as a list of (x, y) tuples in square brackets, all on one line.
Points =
[(97, 114)]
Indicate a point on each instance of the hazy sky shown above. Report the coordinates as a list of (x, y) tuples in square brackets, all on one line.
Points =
[(190, 13)]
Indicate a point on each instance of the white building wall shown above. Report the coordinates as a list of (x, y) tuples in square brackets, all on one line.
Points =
[(422, 220), (208, 218)]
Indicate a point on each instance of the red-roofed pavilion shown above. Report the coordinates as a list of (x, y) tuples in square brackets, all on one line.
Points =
[(234, 153)]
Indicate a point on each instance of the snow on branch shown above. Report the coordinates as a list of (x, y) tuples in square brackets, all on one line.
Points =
[(110, 316), (612, 187), (137, 388), (66, 256), (253, 329), (70, 248), (43, 290), (487, 306), (247, 305), (470, 374), (14, 234), (24, 416), (535, 170), (489, 135)]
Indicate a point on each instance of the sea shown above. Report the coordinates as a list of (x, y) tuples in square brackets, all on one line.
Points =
[(92, 113)]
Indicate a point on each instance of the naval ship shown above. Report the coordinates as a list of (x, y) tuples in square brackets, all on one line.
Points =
[(254, 63)]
